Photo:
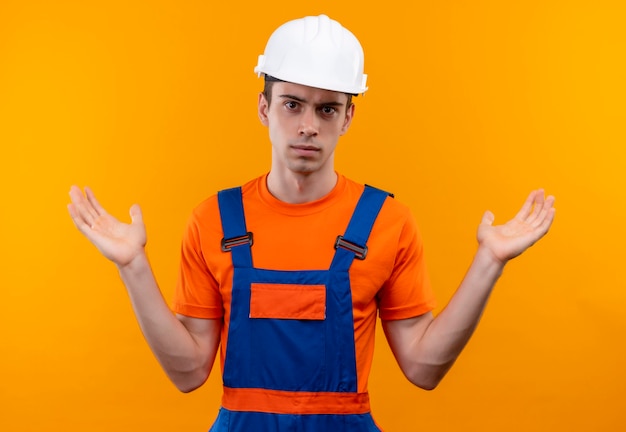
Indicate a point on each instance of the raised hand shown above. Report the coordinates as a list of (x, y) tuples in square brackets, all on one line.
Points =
[(511, 239), (119, 242)]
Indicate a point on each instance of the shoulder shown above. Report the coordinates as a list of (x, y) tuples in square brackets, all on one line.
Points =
[(393, 209), (209, 207)]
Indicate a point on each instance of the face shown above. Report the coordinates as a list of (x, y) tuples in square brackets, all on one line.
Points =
[(304, 125)]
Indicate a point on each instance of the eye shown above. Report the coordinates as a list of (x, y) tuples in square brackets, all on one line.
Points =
[(291, 105), (328, 110)]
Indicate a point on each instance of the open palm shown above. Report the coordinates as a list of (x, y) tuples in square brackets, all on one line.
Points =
[(515, 236), (120, 242)]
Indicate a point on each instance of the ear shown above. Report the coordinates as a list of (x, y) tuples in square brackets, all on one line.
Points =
[(348, 119), (263, 108)]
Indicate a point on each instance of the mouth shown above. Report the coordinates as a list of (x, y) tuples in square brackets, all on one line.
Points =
[(305, 149)]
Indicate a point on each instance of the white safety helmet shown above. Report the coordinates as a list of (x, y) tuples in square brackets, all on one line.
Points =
[(316, 52)]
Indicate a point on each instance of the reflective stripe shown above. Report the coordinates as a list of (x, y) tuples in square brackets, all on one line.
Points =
[(286, 402)]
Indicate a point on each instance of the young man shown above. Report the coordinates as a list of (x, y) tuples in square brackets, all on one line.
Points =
[(288, 272)]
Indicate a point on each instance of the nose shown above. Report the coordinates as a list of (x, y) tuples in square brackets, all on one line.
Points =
[(309, 123)]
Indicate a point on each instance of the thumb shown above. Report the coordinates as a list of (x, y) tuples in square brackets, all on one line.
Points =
[(488, 218), (135, 214)]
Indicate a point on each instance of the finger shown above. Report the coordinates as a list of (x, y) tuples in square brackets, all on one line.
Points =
[(547, 222), (83, 226), (537, 207), (76, 218), (100, 211), (526, 207), (82, 208), (542, 229), (488, 218), (136, 216), (546, 214)]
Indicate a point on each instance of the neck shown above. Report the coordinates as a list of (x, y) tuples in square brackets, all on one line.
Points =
[(300, 188)]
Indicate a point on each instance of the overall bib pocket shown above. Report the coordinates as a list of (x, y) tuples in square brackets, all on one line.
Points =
[(287, 301), (288, 343)]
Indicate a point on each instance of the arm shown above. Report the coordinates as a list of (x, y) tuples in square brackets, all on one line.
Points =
[(184, 346), (426, 347)]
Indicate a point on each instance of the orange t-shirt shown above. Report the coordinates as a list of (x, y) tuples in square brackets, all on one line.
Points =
[(391, 280)]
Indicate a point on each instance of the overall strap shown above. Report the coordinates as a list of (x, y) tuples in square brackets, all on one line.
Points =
[(237, 239), (353, 244)]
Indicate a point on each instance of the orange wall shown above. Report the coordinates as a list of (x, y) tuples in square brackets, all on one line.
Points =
[(472, 104)]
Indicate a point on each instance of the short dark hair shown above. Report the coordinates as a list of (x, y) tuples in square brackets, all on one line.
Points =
[(269, 83)]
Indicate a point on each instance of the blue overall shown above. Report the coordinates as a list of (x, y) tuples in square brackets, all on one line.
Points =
[(294, 356)]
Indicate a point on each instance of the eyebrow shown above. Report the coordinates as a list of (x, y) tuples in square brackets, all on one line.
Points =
[(299, 99)]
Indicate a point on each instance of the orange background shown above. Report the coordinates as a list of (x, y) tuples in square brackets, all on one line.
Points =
[(472, 104)]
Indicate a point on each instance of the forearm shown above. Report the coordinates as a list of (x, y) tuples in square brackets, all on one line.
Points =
[(440, 344), (451, 329), (427, 347), (173, 345)]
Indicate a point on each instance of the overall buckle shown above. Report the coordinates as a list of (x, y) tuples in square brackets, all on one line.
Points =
[(360, 252), (228, 244)]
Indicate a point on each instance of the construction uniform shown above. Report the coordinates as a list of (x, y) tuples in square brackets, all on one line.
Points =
[(298, 334)]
